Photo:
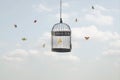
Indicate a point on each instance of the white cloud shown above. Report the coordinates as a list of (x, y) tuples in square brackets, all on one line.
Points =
[(115, 44), (114, 10), (44, 39), (42, 8), (94, 33), (68, 57), (81, 32), (97, 58), (62, 56), (48, 53), (47, 35), (16, 55), (114, 49), (97, 9), (64, 15), (77, 34), (65, 4), (3, 44), (10, 58), (20, 55), (34, 52), (76, 44), (117, 64), (98, 17), (19, 52), (101, 8), (18, 45), (112, 52)]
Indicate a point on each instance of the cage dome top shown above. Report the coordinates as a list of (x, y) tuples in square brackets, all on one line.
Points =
[(61, 27)]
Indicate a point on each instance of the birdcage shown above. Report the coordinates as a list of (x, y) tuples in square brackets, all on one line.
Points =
[(61, 38), (61, 35)]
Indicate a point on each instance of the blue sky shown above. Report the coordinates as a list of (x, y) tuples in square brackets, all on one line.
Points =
[(95, 59)]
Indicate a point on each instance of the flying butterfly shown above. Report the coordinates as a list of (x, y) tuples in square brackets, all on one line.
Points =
[(86, 37), (35, 21), (24, 39), (15, 25), (76, 20), (43, 45), (59, 41), (93, 7)]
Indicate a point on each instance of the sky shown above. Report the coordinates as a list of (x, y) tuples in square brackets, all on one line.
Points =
[(97, 58)]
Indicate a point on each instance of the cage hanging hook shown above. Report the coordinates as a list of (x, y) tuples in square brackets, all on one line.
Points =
[(61, 11)]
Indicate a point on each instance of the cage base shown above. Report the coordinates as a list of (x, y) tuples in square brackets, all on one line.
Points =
[(61, 50)]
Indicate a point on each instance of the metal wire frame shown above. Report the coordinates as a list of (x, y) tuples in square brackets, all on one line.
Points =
[(61, 29)]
